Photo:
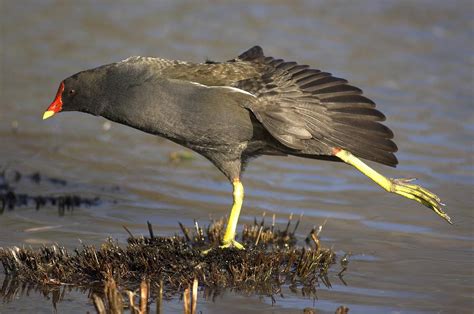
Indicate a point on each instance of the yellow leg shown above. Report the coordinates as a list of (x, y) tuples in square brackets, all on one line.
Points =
[(229, 236), (398, 186)]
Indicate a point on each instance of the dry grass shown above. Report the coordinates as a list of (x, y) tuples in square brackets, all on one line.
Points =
[(172, 263)]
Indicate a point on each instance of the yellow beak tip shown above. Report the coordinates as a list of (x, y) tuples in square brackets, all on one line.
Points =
[(48, 114)]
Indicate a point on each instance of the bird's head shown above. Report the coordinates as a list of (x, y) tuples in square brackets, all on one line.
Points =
[(80, 92), (124, 92)]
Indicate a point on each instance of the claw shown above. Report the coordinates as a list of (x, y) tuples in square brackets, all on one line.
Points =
[(406, 180), (419, 194)]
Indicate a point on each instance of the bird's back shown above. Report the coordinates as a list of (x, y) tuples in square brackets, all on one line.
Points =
[(307, 112)]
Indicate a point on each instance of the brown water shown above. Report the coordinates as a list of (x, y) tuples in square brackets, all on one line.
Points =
[(415, 59)]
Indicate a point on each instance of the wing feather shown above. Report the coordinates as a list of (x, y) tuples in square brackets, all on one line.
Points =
[(312, 112)]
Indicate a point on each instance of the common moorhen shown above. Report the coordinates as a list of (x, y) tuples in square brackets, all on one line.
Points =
[(233, 111)]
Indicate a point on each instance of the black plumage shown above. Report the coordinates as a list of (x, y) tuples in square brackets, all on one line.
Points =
[(293, 97), (232, 111)]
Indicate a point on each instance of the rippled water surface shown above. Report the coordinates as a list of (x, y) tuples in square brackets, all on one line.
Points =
[(414, 58)]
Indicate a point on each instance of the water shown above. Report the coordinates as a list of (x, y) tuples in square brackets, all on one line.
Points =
[(415, 59)]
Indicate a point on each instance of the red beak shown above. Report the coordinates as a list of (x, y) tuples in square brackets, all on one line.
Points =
[(56, 105)]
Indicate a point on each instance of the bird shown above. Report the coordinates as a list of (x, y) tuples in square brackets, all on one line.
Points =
[(231, 112)]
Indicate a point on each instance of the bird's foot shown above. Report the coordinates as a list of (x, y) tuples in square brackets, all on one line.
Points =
[(415, 192), (226, 245), (231, 243)]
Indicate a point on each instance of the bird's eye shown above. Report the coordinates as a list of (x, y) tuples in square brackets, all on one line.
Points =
[(72, 92)]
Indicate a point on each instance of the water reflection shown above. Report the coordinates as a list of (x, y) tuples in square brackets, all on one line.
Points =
[(413, 58)]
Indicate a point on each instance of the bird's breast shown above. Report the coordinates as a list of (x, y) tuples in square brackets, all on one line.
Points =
[(186, 113)]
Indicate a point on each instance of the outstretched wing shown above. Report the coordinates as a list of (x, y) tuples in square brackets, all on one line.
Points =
[(313, 112)]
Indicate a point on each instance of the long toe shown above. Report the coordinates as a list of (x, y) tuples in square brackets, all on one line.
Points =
[(417, 193), (226, 245), (232, 243)]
